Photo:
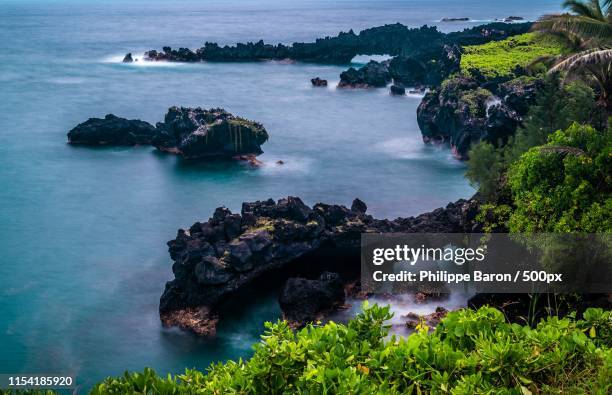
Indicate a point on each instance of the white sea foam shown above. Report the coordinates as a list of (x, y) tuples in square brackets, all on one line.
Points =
[(468, 21), (139, 61), (290, 164), (402, 148), (404, 304)]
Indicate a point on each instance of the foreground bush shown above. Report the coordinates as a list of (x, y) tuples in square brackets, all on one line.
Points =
[(471, 352)]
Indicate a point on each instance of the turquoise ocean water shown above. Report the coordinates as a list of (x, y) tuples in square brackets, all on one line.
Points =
[(83, 231)]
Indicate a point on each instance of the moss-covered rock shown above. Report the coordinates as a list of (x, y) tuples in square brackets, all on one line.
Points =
[(461, 112), (196, 133)]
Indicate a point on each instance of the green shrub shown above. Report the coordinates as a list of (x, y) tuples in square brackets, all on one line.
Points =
[(501, 58), (565, 185), (470, 352)]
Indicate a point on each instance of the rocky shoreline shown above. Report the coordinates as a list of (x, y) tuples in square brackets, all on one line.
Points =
[(459, 111), (309, 249), (420, 56), (465, 110), (393, 39)]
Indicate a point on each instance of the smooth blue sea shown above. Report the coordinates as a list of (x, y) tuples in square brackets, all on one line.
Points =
[(83, 258)]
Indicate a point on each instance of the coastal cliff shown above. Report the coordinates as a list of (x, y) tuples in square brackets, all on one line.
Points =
[(216, 259)]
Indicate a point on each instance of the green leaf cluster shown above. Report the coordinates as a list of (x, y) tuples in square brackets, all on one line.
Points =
[(470, 352), (565, 185), (556, 107)]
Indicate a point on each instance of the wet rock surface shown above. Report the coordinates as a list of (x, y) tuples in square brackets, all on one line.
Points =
[(304, 301), (112, 130), (431, 320), (397, 90), (318, 82), (196, 133), (372, 75), (462, 112), (193, 133), (216, 259), (128, 58)]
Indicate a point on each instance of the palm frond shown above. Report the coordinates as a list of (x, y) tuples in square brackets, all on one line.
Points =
[(547, 60), (581, 60), (573, 25), (581, 8), (562, 150)]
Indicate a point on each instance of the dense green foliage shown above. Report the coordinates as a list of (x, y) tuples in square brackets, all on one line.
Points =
[(556, 107), (470, 352), (565, 185), (501, 58)]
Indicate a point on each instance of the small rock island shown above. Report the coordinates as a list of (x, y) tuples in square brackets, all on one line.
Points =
[(192, 133), (112, 130)]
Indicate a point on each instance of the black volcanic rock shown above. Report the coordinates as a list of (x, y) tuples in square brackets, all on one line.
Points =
[(461, 112), (169, 54), (318, 82), (303, 301), (372, 75), (394, 40), (216, 259), (397, 90), (455, 113), (359, 206), (456, 19), (520, 93), (128, 58), (429, 67), (501, 123), (198, 133), (112, 130)]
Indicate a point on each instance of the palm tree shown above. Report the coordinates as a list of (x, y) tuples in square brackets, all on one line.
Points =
[(590, 26), (590, 23), (595, 64)]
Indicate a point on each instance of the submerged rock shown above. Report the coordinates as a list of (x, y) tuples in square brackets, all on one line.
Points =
[(318, 82), (216, 259), (303, 301), (111, 130), (196, 133), (372, 75)]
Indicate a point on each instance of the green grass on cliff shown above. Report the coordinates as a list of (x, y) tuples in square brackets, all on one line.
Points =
[(501, 58)]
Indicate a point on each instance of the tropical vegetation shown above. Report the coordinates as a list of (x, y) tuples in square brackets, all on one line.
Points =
[(589, 25), (504, 59), (470, 352)]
